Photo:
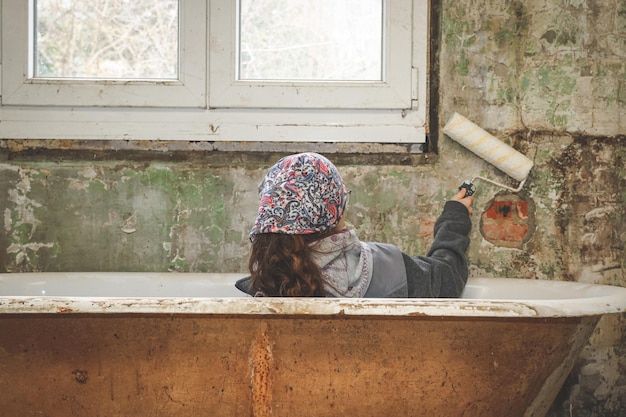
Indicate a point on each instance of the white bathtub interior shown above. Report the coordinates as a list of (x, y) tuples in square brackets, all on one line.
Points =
[(120, 284), (215, 293), (170, 285)]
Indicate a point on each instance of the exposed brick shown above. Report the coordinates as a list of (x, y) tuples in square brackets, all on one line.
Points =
[(506, 221), (505, 231), (499, 210)]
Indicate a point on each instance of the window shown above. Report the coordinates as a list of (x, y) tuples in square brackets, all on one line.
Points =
[(138, 40), (29, 79), (388, 84), (218, 70), (339, 41)]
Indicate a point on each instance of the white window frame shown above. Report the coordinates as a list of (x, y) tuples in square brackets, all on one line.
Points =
[(19, 87), (207, 103), (392, 92)]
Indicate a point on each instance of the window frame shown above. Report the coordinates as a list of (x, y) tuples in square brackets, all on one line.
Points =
[(392, 92), (137, 109), (20, 87)]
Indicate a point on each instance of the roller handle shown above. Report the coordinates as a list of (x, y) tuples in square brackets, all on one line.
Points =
[(470, 188)]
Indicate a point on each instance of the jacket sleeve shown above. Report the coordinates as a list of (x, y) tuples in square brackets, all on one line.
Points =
[(245, 285), (443, 272)]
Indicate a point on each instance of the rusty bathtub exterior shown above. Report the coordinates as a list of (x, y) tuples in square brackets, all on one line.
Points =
[(121, 355)]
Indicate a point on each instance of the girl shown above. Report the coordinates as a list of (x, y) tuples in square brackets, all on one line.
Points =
[(301, 247)]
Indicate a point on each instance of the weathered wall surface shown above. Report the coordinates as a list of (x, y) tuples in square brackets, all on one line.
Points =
[(552, 73), (547, 76)]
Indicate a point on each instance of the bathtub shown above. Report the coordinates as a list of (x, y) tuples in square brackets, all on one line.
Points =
[(140, 344)]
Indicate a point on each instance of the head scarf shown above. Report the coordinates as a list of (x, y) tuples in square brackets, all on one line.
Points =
[(301, 194)]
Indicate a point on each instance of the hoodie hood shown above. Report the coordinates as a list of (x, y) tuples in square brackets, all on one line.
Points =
[(346, 264)]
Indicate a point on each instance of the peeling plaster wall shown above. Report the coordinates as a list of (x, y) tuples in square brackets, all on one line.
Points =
[(540, 65), (546, 76), (123, 216), (127, 216), (549, 77)]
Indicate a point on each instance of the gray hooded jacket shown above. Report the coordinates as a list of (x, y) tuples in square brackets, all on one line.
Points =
[(380, 270)]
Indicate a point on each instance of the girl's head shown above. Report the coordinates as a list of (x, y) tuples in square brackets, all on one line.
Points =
[(301, 194), (302, 199)]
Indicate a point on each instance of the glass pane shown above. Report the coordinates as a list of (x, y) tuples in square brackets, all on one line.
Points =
[(311, 40), (106, 39)]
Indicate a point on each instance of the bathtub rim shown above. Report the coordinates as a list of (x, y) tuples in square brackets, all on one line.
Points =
[(607, 300)]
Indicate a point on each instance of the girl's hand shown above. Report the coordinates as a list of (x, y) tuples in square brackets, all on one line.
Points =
[(466, 201)]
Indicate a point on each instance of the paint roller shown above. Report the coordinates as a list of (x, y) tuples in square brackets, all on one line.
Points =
[(489, 148)]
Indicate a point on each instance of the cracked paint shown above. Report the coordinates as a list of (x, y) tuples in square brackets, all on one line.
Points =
[(21, 223)]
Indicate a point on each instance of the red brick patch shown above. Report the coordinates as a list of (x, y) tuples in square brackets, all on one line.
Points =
[(506, 221)]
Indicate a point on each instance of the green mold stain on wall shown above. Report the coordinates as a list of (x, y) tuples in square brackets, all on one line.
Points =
[(556, 79), (504, 37), (115, 218), (456, 38), (507, 95), (196, 233), (96, 187), (557, 86), (21, 233), (462, 65)]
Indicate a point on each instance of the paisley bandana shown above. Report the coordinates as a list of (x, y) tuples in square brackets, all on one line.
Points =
[(301, 194)]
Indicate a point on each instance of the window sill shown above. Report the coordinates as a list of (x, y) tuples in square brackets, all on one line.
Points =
[(211, 153)]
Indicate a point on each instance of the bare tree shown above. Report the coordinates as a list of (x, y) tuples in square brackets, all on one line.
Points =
[(107, 38), (279, 39)]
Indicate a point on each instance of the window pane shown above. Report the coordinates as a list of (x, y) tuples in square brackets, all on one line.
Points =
[(106, 39), (311, 40)]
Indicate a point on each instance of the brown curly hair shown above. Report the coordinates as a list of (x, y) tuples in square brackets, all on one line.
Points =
[(283, 265)]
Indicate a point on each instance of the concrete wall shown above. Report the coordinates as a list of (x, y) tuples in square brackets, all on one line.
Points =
[(548, 77)]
